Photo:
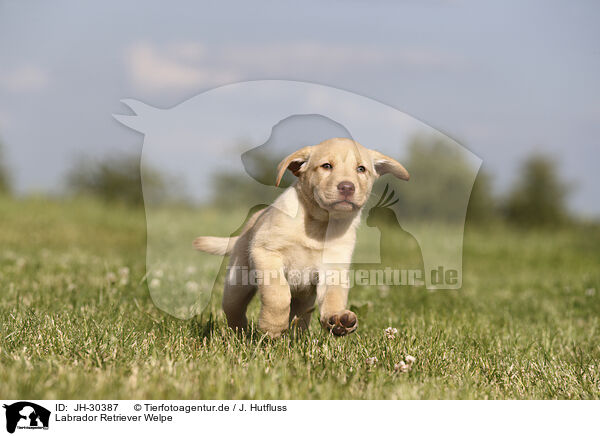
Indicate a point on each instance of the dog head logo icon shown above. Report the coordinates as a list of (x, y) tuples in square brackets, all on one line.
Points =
[(26, 415)]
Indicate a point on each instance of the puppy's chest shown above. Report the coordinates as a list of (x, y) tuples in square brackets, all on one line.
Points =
[(314, 254), (302, 257), (302, 269)]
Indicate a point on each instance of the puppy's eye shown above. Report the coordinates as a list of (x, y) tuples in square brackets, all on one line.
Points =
[(327, 166), (361, 169)]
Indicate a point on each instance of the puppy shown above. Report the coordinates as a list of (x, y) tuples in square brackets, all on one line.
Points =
[(311, 228)]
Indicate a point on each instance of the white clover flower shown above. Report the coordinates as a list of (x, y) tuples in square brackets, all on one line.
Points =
[(371, 361), (111, 277), (590, 292), (406, 364), (390, 332), (401, 367), (154, 283), (124, 271)]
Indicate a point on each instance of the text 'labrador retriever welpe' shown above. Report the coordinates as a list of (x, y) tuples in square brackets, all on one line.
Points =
[(310, 227)]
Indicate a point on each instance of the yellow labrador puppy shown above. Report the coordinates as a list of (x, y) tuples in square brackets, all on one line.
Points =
[(310, 228)]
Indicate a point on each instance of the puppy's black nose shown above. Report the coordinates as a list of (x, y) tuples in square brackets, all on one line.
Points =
[(346, 188)]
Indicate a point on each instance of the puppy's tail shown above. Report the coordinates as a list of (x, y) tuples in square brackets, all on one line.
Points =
[(215, 245)]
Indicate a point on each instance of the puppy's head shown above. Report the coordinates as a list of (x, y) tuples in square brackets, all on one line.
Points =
[(338, 174)]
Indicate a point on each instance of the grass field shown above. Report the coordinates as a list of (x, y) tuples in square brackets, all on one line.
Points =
[(75, 324)]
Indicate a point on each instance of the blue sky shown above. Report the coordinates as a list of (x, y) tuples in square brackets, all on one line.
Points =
[(504, 79)]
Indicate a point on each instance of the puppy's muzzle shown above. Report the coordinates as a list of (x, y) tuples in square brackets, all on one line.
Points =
[(346, 189)]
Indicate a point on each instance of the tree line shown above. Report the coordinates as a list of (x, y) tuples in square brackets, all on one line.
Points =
[(537, 196)]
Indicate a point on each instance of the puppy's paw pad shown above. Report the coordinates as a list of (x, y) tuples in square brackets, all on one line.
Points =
[(342, 323)]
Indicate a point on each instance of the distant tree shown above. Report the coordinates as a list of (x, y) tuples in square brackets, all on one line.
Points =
[(116, 178), (538, 198), (483, 207), (231, 189), (440, 177), (5, 185), (441, 196)]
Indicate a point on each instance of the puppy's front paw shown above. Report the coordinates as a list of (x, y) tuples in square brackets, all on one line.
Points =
[(341, 323)]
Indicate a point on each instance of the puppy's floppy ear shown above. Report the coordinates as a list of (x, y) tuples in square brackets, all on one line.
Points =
[(386, 165), (294, 162)]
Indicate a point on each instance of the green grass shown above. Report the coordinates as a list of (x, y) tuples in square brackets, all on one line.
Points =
[(525, 324)]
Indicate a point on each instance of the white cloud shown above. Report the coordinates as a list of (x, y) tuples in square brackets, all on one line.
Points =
[(191, 51), (286, 58), (304, 57), (154, 68), (190, 65), (24, 78)]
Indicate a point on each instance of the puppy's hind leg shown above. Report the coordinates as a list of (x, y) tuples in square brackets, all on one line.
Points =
[(274, 291), (236, 297), (235, 302), (301, 311), (238, 289)]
